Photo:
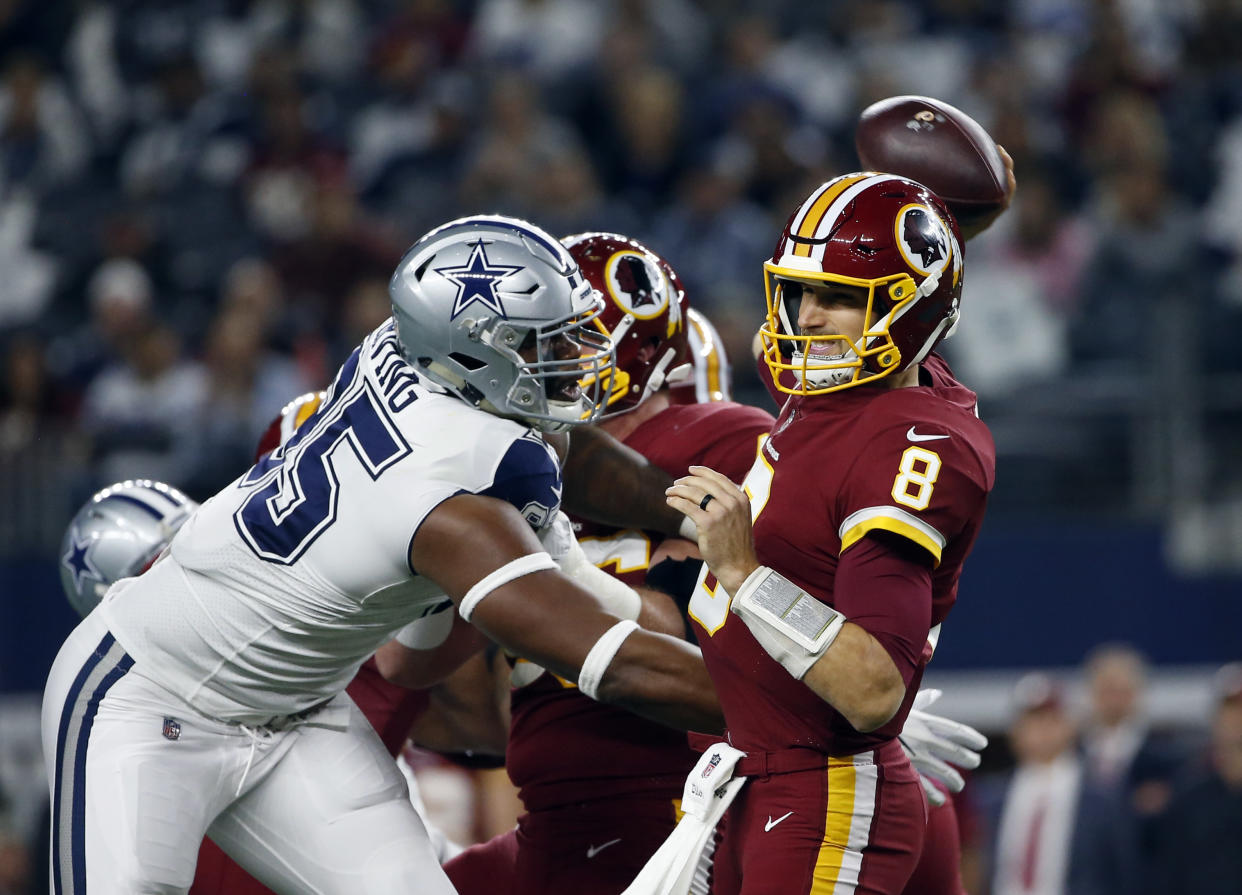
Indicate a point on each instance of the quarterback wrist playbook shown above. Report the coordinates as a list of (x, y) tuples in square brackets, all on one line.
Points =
[(794, 627)]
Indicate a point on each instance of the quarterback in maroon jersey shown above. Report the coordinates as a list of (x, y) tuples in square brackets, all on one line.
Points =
[(864, 502), (600, 785)]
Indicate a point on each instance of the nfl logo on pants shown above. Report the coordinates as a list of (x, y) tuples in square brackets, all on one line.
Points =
[(172, 729)]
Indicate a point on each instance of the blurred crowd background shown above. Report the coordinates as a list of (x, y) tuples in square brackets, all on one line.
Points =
[(201, 202)]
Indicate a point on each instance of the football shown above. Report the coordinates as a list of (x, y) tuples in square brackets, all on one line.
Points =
[(938, 145)]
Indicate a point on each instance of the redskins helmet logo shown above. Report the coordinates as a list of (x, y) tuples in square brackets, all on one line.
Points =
[(924, 241), (636, 284)]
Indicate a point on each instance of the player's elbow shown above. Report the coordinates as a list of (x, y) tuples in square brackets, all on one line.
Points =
[(399, 665), (877, 699)]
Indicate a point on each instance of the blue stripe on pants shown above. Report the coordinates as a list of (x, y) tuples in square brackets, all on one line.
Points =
[(82, 712)]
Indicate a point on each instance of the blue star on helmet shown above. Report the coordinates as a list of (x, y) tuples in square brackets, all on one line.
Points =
[(477, 280), (78, 562)]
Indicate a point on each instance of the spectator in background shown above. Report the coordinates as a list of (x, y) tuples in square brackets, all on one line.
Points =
[(1197, 849), (1029, 267), (28, 397), (641, 146), (719, 240), (342, 245), (1116, 731), (1121, 753), (1147, 266), (142, 412), (43, 138), (246, 385), (1056, 833), (515, 133), (550, 39), (184, 136), (566, 198), (290, 160), (119, 300)]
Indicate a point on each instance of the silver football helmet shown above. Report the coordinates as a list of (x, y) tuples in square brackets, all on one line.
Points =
[(495, 310), (117, 534)]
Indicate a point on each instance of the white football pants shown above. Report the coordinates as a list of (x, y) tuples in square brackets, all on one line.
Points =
[(138, 777)]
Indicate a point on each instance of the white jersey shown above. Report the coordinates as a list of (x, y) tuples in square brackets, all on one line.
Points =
[(281, 585)]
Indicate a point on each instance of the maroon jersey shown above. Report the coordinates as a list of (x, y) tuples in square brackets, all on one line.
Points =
[(915, 462), (564, 747)]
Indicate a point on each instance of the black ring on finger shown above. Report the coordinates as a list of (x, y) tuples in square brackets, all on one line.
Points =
[(707, 498)]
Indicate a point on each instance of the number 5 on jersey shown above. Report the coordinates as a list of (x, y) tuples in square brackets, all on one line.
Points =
[(709, 605), (295, 496)]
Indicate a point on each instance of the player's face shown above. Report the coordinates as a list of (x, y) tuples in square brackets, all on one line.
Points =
[(565, 387), (832, 309)]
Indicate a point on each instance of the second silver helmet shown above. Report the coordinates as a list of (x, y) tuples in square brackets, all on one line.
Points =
[(117, 534)]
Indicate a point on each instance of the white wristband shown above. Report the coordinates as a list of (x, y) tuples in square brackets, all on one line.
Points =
[(688, 529), (523, 565), (617, 597), (794, 627), (601, 656)]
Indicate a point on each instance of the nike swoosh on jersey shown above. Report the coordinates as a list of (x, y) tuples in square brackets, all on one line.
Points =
[(914, 436), (594, 850), (771, 823)]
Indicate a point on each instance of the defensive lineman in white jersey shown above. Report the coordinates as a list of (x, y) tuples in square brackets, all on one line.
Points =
[(205, 696)]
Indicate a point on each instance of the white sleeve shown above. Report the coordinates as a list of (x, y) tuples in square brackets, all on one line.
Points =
[(427, 632)]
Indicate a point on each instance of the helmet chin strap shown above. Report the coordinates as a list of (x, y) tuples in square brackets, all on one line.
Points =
[(659, 374)]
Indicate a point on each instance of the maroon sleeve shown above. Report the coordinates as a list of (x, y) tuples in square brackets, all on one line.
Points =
[(884, 586), (927, 490), (731, 446)]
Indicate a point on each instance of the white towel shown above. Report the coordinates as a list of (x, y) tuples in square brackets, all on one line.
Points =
[(709, 790)]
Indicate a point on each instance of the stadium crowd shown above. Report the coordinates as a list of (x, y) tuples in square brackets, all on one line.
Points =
[(202, 201)]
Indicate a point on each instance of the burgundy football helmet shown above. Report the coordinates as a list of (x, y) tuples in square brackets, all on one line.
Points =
[(713, 375), (888, 235), (644, 313)]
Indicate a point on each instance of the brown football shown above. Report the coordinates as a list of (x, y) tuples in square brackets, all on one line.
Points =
[(938, 145)]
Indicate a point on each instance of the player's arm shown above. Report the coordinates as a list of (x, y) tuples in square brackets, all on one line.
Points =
[(486, 559), (427, 651), (610, 483), (468, 711), (839, 660)]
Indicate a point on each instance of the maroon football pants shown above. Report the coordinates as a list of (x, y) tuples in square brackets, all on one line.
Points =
[(597, 847), (939, 871), (855, 826)]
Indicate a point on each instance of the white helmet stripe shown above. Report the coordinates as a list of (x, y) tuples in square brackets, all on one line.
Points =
[(838, 206)]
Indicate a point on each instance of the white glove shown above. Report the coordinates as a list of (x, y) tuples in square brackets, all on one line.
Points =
[(933, 743)]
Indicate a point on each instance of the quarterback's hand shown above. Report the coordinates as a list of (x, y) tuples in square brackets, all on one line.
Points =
[(973, 228), (721, 512), (935, 743)]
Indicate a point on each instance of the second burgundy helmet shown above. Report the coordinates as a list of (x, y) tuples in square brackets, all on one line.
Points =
[(645, 314)]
